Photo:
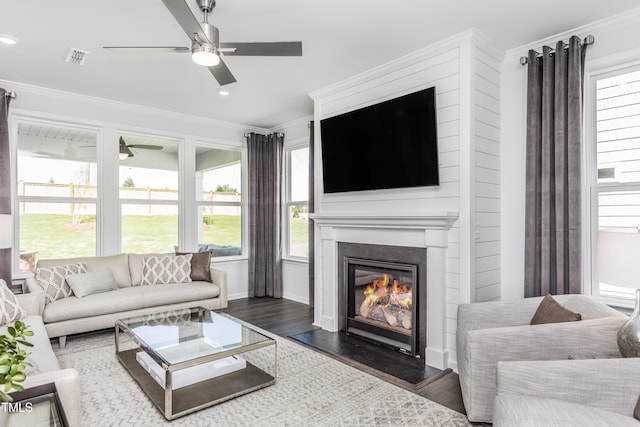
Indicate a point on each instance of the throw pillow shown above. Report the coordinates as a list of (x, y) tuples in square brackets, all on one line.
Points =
[(200, 265), (157, 270), (636, 410), (10, 309), (52, 280), (92, 283), (550, 311)]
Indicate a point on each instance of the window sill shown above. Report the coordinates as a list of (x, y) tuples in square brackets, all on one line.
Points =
[(296, 260)]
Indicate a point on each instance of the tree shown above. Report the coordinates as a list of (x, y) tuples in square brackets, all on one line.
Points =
[(128, 183), (226, 188)]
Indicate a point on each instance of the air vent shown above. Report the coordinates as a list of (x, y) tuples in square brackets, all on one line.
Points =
[(76, 56)]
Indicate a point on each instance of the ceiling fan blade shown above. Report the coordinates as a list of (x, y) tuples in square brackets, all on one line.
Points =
[(189, 23), (222, 73), (263, 49), (145, 146), (150, 49)]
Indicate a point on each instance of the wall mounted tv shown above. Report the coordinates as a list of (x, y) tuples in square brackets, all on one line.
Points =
[(392, 144)]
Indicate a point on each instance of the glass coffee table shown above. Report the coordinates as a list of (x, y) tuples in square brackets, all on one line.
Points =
[(186, 360)]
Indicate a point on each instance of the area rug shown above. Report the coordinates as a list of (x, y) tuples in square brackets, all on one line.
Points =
[(311, 390)]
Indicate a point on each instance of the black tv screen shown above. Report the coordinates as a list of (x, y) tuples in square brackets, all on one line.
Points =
[(392, 144)]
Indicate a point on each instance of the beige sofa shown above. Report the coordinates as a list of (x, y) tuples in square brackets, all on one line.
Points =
[(73, 315), (45, 368)]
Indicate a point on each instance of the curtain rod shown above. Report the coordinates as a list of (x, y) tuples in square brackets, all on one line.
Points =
[(589, 40), (11, 95), (280, 134)]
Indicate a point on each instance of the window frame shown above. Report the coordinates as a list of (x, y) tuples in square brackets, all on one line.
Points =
[(108, 236), (592, 189), (288, 202), (199, 204), (14, 123)]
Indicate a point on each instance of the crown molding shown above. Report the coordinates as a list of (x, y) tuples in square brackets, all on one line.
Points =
[(612, 22), (19, 87)]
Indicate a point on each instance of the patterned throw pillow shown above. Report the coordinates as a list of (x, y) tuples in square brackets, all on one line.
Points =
[(52, 280), (10, 310), (159, 270)]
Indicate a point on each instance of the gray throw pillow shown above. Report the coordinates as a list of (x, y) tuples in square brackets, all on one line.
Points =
[(92, 283), (200, 265)]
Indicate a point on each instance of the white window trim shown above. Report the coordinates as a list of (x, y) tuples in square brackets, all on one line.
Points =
[(286, 226), (591, 188)]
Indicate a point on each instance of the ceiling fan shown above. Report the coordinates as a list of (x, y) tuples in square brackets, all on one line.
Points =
[(206, 48), (125, 152)]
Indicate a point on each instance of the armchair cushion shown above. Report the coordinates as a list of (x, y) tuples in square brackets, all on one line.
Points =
[(550, 311), (564, 392)]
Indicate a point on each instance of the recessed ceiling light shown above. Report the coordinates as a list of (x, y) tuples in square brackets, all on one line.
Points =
[(224, 92), (7, 39)]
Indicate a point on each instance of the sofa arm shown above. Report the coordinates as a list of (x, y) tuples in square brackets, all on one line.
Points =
[(219, 277), (67, 383), (480, 350), (33, 302), (609, 384)]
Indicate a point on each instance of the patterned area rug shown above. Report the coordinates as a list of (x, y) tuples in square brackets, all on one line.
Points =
[(311, 390)]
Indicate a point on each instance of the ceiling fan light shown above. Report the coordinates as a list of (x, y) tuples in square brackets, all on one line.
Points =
[(124, 153), (205, 56)]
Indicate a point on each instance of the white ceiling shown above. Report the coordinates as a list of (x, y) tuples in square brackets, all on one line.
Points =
[(340, 38)]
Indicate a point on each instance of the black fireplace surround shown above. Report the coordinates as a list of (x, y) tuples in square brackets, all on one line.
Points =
[(383, 295)]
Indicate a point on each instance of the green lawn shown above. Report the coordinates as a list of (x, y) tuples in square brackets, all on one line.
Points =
[(53, 236)]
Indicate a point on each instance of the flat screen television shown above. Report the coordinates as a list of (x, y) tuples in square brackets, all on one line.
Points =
[(392, 144)]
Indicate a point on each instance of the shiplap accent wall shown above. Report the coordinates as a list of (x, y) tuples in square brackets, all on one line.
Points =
[(465, 71), (486, 181)]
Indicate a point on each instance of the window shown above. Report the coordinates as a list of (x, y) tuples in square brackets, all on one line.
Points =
[(297, 198), (149, 195), (219, 198), (615, 188), (56, 192)]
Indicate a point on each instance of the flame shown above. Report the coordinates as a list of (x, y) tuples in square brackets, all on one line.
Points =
[(380, 293)]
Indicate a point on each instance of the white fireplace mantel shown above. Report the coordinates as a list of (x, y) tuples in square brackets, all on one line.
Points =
[(429, 230)]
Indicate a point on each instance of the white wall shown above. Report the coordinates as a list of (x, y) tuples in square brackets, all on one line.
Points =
[(616, 43)]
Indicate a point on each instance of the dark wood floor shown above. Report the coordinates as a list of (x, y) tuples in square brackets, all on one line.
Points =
[(285, 318)]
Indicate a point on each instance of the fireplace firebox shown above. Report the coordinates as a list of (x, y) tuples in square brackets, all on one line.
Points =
[(383, 288)]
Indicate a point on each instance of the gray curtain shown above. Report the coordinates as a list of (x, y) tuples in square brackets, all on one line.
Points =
[(265, 218), (554, 136), (5, 179), (311, 223)]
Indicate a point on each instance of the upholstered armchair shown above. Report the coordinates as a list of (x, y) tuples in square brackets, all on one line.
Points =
[(565, 393), (491, 332)]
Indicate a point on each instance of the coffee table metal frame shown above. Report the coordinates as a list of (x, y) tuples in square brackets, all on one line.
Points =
[(191, 398)]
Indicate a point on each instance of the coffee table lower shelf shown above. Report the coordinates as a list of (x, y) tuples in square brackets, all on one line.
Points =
[(200, 395)]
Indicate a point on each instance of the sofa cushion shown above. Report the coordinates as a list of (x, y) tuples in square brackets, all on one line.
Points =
[(200, 265), (119, 265), (92, 283), (124, 299), (160, 270), (53, 280), (10, 309), (178, 292), (550, 311)]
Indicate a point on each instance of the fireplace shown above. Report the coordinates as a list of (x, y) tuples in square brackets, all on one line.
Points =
[(383, 290)]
